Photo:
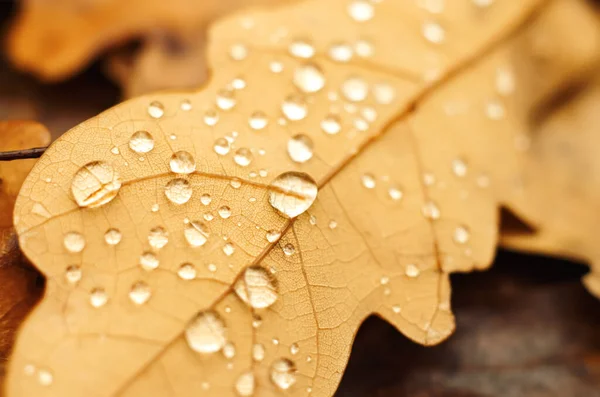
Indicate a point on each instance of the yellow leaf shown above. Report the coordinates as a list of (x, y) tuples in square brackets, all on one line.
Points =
[(184, 248)]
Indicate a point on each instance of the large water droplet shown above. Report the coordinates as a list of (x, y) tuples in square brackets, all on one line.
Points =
[(331, 124), (148, 261), (245, 384), (243, 157), (187, 271), (112, 236), (294, 107), (182, 162), (140, 292), (258, 120), (292, 193), (355, 89), (141, 142), (196, 233), (283, 373), (156, 110), (309, 78), (98, 297), (74, 242), (301, 49), (300, 148), (95, 184), (289, 249), (361, 10), (256, 287), (178, 191), (206, 333), (158, 237)]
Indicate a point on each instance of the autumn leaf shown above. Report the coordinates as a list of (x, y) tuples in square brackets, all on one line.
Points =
[(565, 170), (341, 162)]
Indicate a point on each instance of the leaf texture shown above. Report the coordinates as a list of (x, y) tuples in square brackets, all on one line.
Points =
[(184, 254)]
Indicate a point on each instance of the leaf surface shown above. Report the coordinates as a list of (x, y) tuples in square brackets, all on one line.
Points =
[(155, 257)]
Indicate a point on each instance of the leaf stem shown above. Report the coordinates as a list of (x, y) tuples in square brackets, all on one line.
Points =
[(32, 153)]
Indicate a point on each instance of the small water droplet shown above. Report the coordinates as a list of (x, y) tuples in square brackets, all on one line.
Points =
[(428, 179), (156, 110), (368, 181), (245, 384), (289, 249), (292, 193), (158, 237), (412, 270), (243, 157), (238, 52), (205, 199), (332, 224), (196, 233), (186, 105), (283, 373), (301, 49), (273, 235), (395, 193), (238, 83), (505, 81), (461, 235), (73, 274), (433, 32), (74, 242), (211, 117), (95, 184), (182, 162), (155, 208), (212, 267), (98, 297), (140, 293), (258, 120), (235, 183), (112, 236), (331, 124), (276, 67), (495, 110), (294, 107), (206, 332), (294, 349), (384, 93), (225, 100), (229, 350), (361, 10), (309, 78), (221, 146), (178, 191), (340, 52), (45, 377), (258, 352), (363, 48), (228, 249), (224, 212), (396, 309), (256, 287), (355, 89), (186, 271), (430, 210), (115, 150), (459, 167), (300, 148), (148, 261)]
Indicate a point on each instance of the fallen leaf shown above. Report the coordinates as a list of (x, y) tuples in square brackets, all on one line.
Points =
[(186, 248), (565, 170)]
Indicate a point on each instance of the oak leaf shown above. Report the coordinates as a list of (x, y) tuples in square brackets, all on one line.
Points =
[(341, 162)]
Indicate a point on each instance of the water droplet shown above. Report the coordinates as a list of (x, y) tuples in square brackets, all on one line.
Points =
[(363, 48), (355, 89), (340, 52), (140, 293), (73, 274), (289, 249), (368, 181), (229, 350), (235, 183), (182, 162), (258, 352), (224, 212), (258, 120), (238, 83), (228, 249), (396, 309), (384, 93), (461, 235), (141, 142), (221, 146), (412, 270), (112, 236), (95, 184), (361, 10), (302, 49), (156, 110), (300, 148), (196, 233), (158, 237), (243, 157), (211, 117), (148, 261), (283, 373), (256, 287), (45, 377), (505, 81), (155, 208), (309, 78), (238, 52), (205, 199), (178, 191), (186, 271), (395, 193), (74, 242), (98, 297), (273, 235), (276, 67), (292, 193), (495, 110), (332, 224), (430, 210), (206, 333), (225, 100), (186, 105), (459, 167), (245, 384), (294, 107), (433, 32), (428, 179), (212, 267), (294, 349)]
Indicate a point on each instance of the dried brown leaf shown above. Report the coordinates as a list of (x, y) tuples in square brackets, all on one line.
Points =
[(136, 263)]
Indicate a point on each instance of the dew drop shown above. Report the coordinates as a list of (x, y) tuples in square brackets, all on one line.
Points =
[(395, 193), (140, 293), (294, 107), (300, 148), (505, 81), (363, 48), (412, 270), (205, 199), (141, 142), (206, 332), (74, 242), (148, 261), (45, 377), (186, 271), (495, 110), (461, 235), (361, 10), (73, 274), (276, 67), (156, 110), (430, 210), (283, 373), (384, 93), (98, 297), (211, 117), (235, 183), (273, 235), (221, 146), (256, 287), (258, 120), (245, 384), (301, 49), (158, 237), (292, 193), (95, 184), (182, 162), (224, 212), (355, 89), (229, 350), (243, 157), (186, 105), (289, 249), (340, 52), (238, 52), (228, 249), (196, 233), (368, 181), (433, 32), (459, 167), (333, 224), (309, 78), (258, 352), (225, 100), (178, 191), (112, 236), (238, 83), (331, 124), (294, 349)]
